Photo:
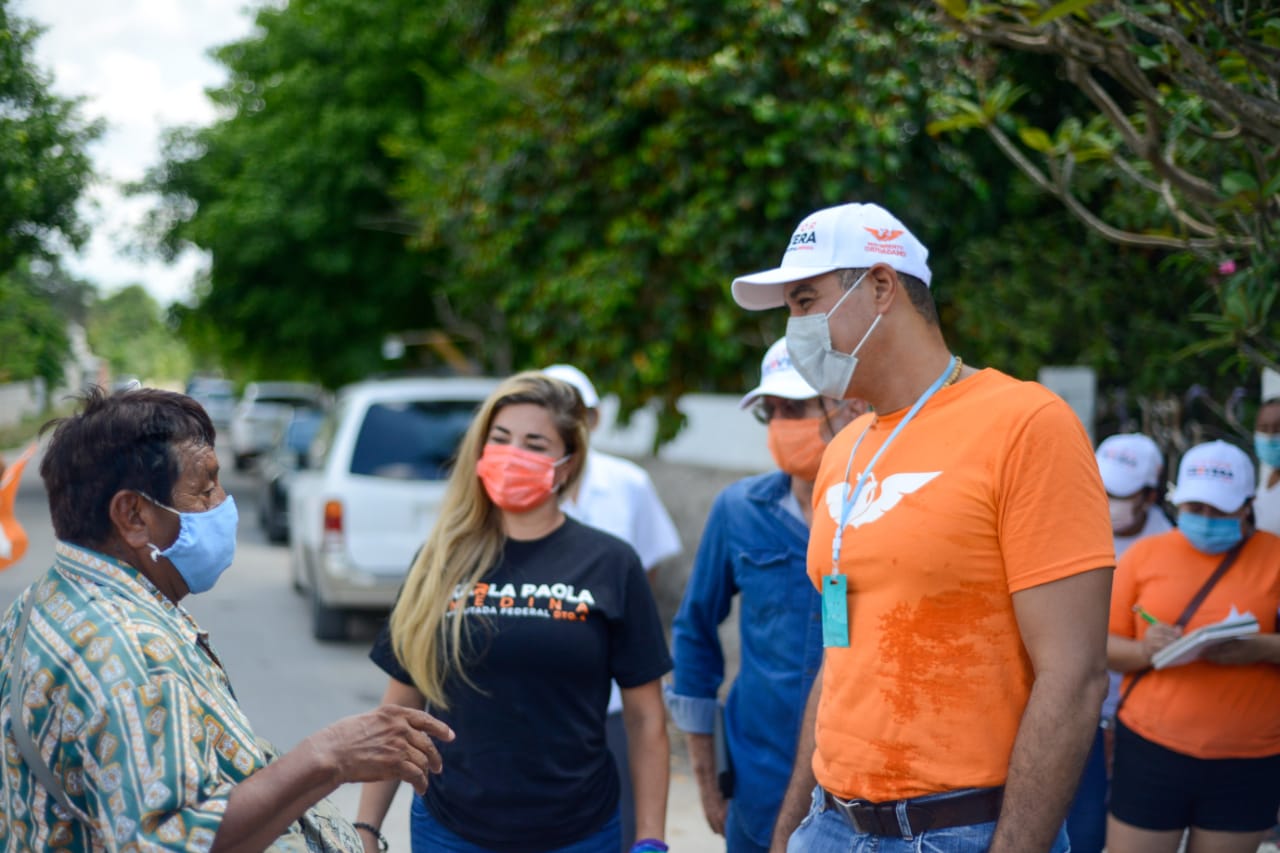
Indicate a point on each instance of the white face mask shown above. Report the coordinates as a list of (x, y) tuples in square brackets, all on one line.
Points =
[(822, 366)]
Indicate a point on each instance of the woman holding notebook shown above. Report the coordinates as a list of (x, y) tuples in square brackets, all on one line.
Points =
[(1198, 737)]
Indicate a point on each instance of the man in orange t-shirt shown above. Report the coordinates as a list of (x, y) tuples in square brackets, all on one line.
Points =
[(962, 545)]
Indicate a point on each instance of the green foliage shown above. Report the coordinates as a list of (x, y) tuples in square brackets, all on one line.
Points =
[(289, 190), (126, 329), (33, 335), (579, 180), (1173, 145), (635, 156), (44, 166), (1031, 298)]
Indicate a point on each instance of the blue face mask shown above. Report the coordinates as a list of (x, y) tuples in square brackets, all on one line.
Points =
[(1267, 447), (205, 546), (1210, 535)]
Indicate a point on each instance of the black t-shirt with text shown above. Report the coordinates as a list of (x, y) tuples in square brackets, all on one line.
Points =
[(557, 618)]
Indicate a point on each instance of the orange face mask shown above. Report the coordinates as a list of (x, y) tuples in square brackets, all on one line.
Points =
[(797, 445), (516, 480)]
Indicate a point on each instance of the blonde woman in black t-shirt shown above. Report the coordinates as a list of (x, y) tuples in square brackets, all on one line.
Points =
[(510, 625)]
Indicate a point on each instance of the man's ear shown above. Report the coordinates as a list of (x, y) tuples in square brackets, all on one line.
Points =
[(593, 419), (129, 513), (884, 284)]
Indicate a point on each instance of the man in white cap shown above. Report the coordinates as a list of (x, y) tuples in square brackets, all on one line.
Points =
[(617, 496), (1132, 469), (753, 548), (1197, 743), (962, 549)]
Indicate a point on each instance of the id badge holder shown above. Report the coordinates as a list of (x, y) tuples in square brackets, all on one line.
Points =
[(835, 612)]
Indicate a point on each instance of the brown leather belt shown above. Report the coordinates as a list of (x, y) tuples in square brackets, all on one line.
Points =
[(909, 818)]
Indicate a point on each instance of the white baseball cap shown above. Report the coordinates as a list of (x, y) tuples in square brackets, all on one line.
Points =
[(779, 378), (1218, 474), (851, 236), (1129, 462), (576, 378)]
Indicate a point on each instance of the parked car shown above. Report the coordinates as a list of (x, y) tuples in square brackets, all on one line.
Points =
[(377, 473), (288, 455), (261, 411), (218, 396)]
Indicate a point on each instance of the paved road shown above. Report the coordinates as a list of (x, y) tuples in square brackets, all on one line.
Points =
[(289, 684)]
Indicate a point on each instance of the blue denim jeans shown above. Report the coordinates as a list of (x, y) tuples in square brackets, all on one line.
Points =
[(826, 830), (427, 835)]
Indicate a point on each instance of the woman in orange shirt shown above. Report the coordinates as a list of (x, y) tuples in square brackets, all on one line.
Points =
[(1197, 744)]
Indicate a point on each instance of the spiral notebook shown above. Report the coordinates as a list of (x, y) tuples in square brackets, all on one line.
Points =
[(1190, 647)]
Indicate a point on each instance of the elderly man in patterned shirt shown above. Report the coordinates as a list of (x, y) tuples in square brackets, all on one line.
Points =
[(120, 728)]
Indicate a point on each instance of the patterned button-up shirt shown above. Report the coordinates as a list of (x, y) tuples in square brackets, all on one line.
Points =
[(133, 713)]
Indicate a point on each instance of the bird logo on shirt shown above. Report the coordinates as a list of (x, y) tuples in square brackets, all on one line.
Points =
[(876, 498)]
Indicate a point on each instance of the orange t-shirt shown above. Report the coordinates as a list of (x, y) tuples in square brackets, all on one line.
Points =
[(991, 488), (1201, 709)]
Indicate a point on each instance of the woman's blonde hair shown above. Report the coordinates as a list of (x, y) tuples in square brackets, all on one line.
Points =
[(467, 539)]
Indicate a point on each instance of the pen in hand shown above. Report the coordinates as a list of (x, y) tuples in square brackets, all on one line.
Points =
[(1150, 620)]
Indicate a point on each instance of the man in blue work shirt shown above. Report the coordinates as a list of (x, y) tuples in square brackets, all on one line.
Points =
[(754, 545)]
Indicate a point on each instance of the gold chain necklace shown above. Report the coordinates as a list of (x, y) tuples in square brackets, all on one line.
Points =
[(955, 373)]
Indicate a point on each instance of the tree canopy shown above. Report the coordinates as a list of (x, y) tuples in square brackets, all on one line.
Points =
[(44, 164), (128, 330), (1174, 144), (636, 156), (579, 180), (290, 190), (33, 332), (44, 169)]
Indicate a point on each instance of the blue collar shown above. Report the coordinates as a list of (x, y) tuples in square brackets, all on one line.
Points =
[(769, 488)]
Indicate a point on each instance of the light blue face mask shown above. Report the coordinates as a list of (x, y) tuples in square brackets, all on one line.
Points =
[(1210, 535), (205, 546), (1267, 448)]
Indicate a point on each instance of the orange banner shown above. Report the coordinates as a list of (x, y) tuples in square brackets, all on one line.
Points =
[(13, 539)]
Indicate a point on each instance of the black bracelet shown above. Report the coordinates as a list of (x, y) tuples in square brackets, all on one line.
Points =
[(382, 842)]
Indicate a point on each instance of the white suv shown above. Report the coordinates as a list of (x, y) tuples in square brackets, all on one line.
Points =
[(376, 475)]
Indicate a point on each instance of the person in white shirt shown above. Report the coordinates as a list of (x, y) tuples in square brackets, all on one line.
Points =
[(1132, 469), (1266, 445), (617, 496)]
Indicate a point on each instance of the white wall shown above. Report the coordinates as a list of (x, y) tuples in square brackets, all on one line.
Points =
[(1079, 387), (718, 434), (20, 400), (1270, 384)]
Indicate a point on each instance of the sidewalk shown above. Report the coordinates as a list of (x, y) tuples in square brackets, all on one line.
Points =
[(687, 830)]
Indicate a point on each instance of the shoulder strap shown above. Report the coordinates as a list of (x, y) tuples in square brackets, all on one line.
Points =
[(1190, 610), (26, 746), (1194, 604)]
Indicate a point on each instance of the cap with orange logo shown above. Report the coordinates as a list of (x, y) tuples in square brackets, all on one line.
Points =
[(851, 236)]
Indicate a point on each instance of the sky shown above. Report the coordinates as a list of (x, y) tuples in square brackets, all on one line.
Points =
[(142, 66)]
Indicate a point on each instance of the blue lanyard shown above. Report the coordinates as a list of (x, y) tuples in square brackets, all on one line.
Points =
[(848, 503)]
